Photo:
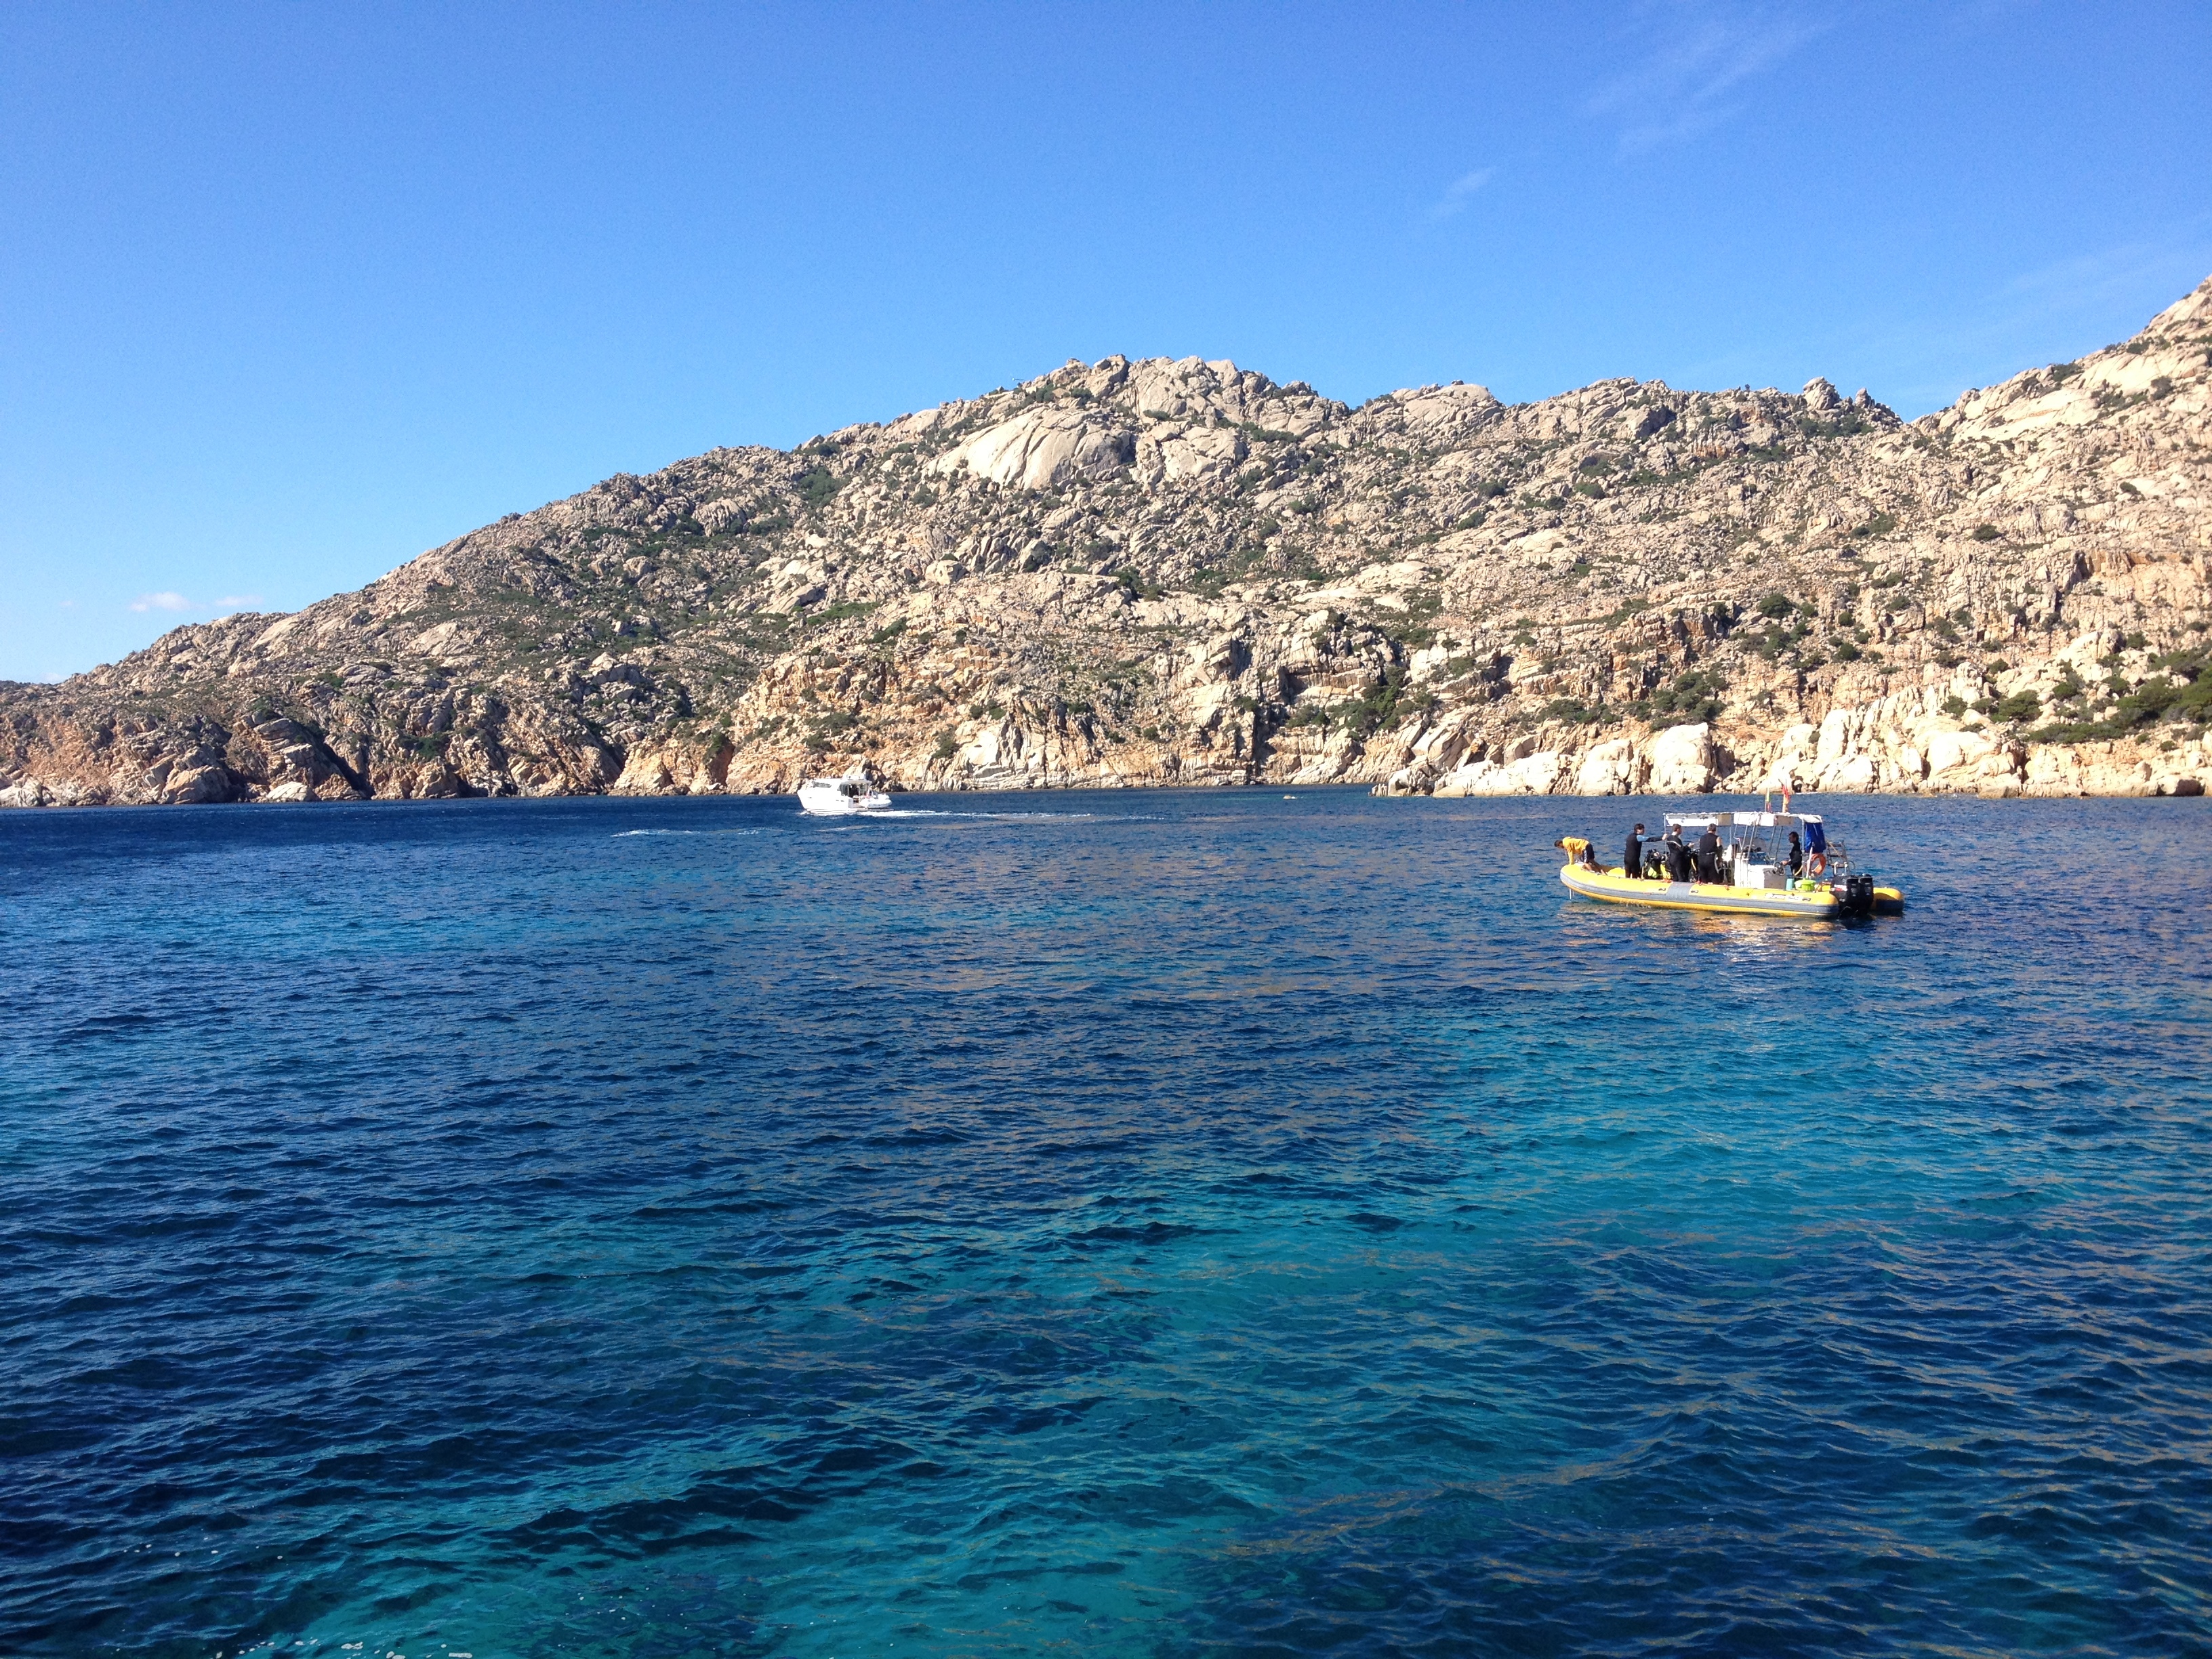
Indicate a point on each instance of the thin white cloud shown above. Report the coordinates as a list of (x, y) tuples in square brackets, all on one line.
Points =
[(161, 602), (2060, 310), (1458, 193), (1699, 57), (2120, 272)]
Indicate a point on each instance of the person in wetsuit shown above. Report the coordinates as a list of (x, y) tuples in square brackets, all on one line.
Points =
[(1631, 856), (1796, 856), (1678, 856), (1709, 855)]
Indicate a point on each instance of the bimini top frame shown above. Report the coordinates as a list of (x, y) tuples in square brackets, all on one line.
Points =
[(1816, 838)]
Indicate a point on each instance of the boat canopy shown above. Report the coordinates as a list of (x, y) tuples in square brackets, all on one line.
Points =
[(1763, 820), (1816, 837)]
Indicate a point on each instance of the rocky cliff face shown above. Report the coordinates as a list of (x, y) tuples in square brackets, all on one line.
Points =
[(1183, 573)]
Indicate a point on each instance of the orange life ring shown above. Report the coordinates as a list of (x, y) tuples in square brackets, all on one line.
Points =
[(1817, 865)]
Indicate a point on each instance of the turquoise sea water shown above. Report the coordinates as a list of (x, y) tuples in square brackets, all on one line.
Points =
[(1150, 1223)]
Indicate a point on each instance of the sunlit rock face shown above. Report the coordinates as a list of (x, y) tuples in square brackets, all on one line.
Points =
[(1184, 572)]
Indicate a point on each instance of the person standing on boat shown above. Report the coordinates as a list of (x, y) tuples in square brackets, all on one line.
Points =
[(1678, 856), (1631, 856), (1796, 856), (1709, 855)]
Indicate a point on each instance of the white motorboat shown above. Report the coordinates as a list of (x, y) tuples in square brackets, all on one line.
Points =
[(855, 792)]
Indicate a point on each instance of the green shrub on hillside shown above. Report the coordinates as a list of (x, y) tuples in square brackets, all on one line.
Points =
[(1693, 696)]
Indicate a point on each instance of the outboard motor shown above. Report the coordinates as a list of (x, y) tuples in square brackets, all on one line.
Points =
[(1854, 895)]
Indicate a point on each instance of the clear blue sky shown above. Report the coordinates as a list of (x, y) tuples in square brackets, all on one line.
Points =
[(290, 292)]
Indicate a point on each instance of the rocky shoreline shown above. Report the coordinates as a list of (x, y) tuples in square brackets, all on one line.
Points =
[(1183, 573)]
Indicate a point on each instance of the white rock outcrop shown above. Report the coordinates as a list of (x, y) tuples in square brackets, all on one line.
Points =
[(1532, 775), (1042, 450), (1611, 768), (1681, 761)]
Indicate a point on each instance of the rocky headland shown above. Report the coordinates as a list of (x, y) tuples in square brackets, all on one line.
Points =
[(1161, 572)]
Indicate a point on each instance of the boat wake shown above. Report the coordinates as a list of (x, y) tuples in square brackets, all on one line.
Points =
[(623, 835), (940, 812), (1067, 817)]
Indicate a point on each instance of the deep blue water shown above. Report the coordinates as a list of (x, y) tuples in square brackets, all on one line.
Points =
[(1149, 1223)]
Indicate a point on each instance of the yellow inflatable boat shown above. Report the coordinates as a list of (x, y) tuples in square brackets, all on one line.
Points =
[(1749, 874)]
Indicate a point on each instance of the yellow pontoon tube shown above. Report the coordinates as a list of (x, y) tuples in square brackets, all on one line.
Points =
[(1818, 905)]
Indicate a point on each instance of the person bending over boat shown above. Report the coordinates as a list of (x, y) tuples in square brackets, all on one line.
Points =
[(1579, 851), (1631, 856)]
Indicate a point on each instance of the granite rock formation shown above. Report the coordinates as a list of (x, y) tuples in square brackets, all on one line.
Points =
[(1183, 573)]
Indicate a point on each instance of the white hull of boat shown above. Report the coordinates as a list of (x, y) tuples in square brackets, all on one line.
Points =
[(832, 798)]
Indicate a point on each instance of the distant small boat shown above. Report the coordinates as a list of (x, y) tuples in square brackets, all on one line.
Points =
[(855, 792)]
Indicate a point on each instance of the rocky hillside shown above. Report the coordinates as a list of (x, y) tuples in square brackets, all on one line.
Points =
[(1184, 572)]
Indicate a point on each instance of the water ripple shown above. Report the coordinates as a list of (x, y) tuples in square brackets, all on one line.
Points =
[(1253, 1224)]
